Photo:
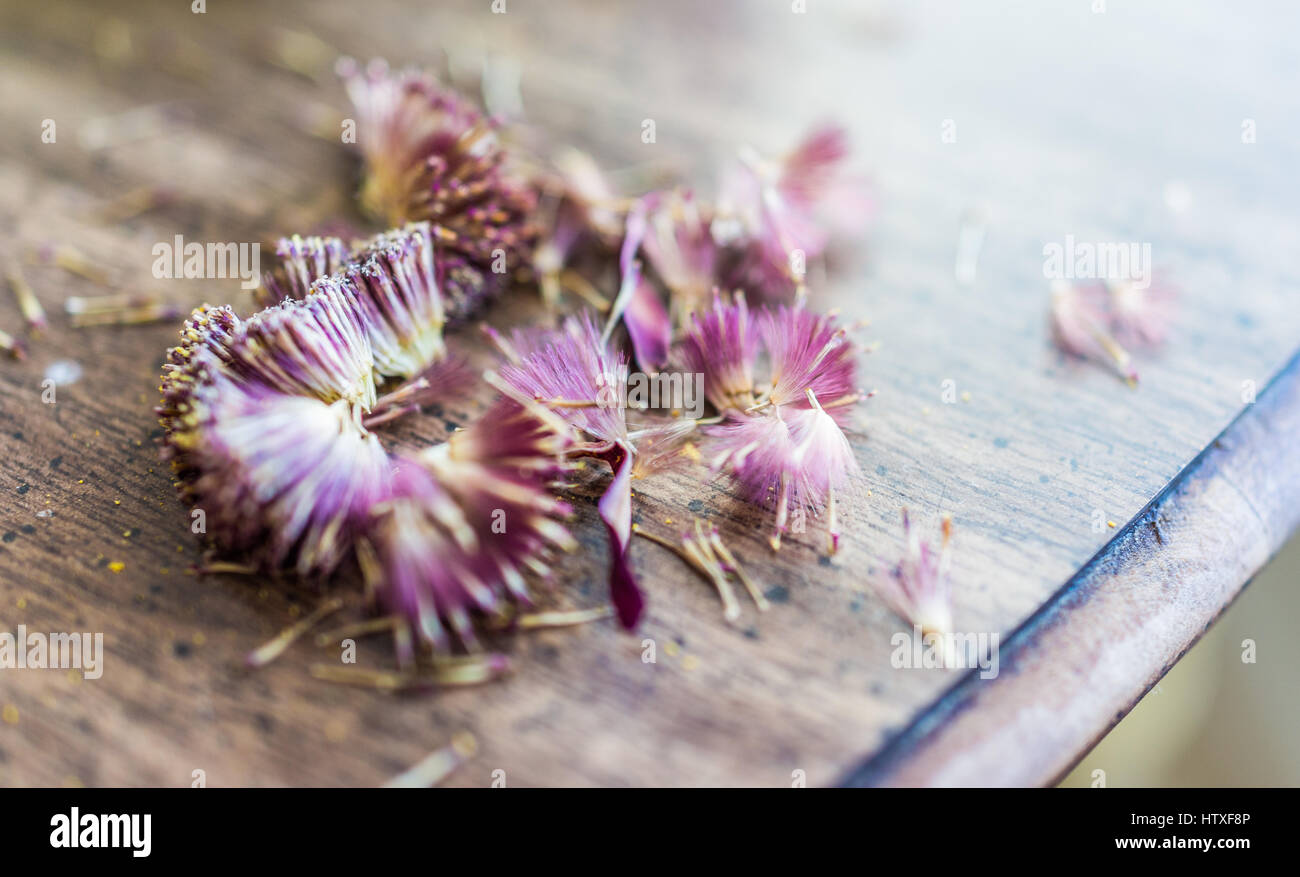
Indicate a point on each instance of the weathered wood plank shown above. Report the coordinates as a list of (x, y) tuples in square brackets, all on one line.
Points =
[(1082, 661)]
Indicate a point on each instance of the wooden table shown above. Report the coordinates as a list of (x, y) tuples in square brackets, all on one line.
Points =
[(1121, 126)]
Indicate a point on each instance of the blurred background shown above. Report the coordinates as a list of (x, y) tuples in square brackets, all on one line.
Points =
[(1215, 720)]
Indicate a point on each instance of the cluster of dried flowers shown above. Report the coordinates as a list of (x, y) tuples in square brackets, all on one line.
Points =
[(270, 421), (268, 426)]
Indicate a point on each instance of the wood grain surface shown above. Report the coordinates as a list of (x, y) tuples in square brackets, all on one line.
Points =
[(1123, 126)]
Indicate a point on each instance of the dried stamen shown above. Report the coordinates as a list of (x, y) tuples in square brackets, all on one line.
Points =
[(28, 304), (265, 654), (438, 765)]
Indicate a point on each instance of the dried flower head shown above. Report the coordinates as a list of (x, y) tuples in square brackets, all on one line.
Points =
[(722, 344), (395, 280), (813, 363), (466, 520), (782, 438), (787, 209), (430, 155), (288, 480), (300, 263), (264, 424), (789, 459), (572, 371)]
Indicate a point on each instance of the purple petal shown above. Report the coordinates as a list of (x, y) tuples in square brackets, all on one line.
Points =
[(648, 325), (616, 511)]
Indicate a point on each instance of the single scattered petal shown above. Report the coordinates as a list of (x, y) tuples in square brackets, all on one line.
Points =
[(268, 652), (917, 588), (16, 348), (1079, 327), (701, 547), (1140, 315), (649, 326), (616, 511), (28, 304), (438, 765), (637, 302)]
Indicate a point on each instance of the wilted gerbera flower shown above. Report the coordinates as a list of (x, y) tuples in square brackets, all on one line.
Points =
[(466, 520), (782, 439), (572, 371), (917, 587), (430, 155)]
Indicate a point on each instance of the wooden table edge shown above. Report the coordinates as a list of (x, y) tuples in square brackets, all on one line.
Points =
[(1084, 659)]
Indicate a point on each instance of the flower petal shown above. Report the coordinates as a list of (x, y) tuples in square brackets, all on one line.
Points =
[(616, 511)]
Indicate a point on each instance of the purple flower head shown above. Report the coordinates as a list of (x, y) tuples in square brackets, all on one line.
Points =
[(782, 438), (722, 344), (782, 213), (395, 289), (789, 459), (430, 155), (301, 261), (317, 347), (289, 480), (807, 351), (571, 370), (466, 520)]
